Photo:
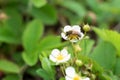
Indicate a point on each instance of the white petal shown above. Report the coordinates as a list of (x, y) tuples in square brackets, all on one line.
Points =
[(55, 52), (64, 36), (70, 71), (67, 58), (65, 55), (64, 52), (82, 35), (67, 28), (87, 78), (76, 28), (60, 61), (67, 78), (52, 58), (74, 40), (64, 60)]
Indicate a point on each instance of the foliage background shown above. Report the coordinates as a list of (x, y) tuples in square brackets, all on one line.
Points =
[(29, 29)]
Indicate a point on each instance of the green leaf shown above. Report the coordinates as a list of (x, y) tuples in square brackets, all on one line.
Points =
[(14, 21), (31, 58), (39, 3), (110, 36), (47, 67), (62, 78), (8, 66), (11, 77), (104, 55), (74, 6), (32, 70), (31, 36), (42, 73), (111, 7), (8, 37), (47, 14), (49, 42), (17, 58), (11, 29), (86, 46), (113, 77), (94, 5), (104, 76), (117, 67)]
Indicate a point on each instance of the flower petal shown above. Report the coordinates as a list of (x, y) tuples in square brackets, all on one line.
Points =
[(61, 61), (64, 60), (67, 78), (52, 58), (70, 71), (64, 36), (82, 35), (76, 28), (64, 52), (55, 52), (67, 58), (74, 40), (87, 78), (67, 28)]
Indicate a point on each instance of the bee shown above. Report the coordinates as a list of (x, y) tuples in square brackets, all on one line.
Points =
[(68, 33), (73, 35)]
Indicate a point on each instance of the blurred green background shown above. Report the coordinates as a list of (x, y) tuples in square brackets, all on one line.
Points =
[(30, 27)]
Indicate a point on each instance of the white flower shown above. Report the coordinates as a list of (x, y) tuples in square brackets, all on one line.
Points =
[(86, 78), (59, 56), (72, 75), (72, 33)]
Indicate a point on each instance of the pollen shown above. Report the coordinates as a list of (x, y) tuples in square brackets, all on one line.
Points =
[(76, 77), (60, 57), (73, 36)]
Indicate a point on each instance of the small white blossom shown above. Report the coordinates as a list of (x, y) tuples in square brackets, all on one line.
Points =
[(72, 33), (58, 56), (72, 75)]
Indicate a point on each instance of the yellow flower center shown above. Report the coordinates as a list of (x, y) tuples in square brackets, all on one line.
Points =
[(73, 36), (76, 77), (60, 57)]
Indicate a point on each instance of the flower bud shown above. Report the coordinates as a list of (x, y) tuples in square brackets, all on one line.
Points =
[(87, 37), (77, 48), (79, 62), (86, 28), (93, 76), (89, 66)]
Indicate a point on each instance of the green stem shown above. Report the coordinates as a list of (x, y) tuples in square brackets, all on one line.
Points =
[(85, 44), (62, 69), (85, 47), (75, 54)]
